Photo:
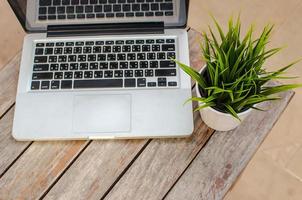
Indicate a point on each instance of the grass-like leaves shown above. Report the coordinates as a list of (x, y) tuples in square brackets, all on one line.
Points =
[(235, 78)]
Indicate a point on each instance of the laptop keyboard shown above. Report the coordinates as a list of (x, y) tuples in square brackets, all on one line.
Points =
[(139, 63), (87, 9)]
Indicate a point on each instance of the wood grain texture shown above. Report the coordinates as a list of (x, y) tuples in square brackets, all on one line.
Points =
[(10, 149), (96, 169), (160, 165), (38, 168), (8, 84), (224, 157)]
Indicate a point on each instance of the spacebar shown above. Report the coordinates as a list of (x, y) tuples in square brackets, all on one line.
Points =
[(102, 83)]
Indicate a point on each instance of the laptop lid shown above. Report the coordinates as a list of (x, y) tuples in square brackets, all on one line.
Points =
[(38, 15)]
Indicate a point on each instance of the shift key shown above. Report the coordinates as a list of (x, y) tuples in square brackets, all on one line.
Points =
[(42, 76), (165, 72), (168, 47), (167, 64)]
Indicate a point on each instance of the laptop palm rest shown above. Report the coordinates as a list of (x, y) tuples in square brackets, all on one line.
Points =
[(101, 113)]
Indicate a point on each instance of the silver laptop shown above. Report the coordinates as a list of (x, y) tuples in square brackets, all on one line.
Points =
[(102, 69)]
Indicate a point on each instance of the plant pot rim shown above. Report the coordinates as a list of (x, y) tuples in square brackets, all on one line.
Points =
[(212, 109)]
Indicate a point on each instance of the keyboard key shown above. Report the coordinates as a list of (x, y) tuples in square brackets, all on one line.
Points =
[(63, 66), (113, 65), (129, 14), (58, 75), (161, 56), (101, 83), (42, 10), (170, 40), (173, 83), (160, 41), (50, 44), (128, 73), (123, 65), (44, 2), (61, 10), (154, 6), (40, 59), (171, 55), (167, 64), (88, 74), (139, 73), (153, 64), (139, 14), (117, 8), (55, 85), (141, 82), (133, 65), (162, 82), (166, 6), (75, 2), (52, 17), (65, 2), (159, 14), (118, 73), (35, 85), (149, 14), (108, 74), (109, 15), (151, 84), (98, 74), (103, 65), (54, 67), (129, 41), (74, 66), (78, 74), (44, 85), (165, 72), (41, 67), (39, 51), (169, 13), (42, 17), (168, 47), (42, 76), (68, 75), (149, 73)]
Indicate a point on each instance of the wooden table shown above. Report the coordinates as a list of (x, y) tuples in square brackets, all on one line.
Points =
[(203, 166)]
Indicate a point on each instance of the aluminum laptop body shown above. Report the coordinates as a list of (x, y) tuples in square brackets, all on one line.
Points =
[(105, 73)]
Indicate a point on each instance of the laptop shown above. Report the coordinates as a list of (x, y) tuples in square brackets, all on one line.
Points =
[(102, 69)]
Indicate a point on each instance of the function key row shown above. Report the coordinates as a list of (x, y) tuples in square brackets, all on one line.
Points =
[(108, 42), (94, 2)]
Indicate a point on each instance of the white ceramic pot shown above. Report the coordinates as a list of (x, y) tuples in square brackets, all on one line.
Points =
[(218, 120)]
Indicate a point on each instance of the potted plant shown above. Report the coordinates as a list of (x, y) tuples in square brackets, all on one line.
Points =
[(234, 80)]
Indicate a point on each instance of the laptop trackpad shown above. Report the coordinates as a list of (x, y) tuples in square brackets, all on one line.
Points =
[(101, 113)]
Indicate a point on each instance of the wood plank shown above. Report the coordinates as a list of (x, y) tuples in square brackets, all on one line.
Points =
[(209, 178), (38, 168), (96, 169), (10, 149), (160, 165), (8, 84)]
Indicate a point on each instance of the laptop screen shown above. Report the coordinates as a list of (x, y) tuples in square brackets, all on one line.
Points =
[(36, 15)]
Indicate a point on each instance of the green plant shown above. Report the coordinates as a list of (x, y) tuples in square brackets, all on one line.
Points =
[(235, 79)]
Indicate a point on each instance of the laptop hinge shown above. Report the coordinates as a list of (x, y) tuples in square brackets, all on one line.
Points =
[(105, 29)]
